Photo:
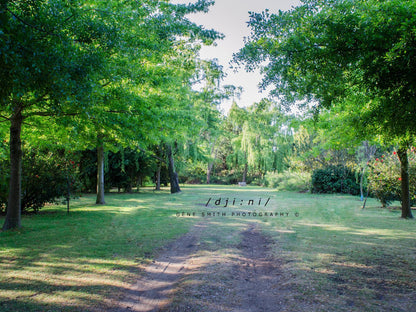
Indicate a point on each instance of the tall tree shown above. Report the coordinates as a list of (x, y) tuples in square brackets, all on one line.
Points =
[(268, 137), (86, 59), (47, 51), (237, 119), (153, 65), (207, 104), (261, 138), (332, 52)]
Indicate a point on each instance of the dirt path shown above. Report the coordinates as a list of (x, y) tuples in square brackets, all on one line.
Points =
[(156, 286), (195, 275)]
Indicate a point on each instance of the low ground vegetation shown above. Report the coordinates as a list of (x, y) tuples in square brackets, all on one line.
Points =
[(289, 181)]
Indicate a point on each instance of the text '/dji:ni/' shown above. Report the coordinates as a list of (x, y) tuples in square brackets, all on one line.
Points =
[(225, 202)]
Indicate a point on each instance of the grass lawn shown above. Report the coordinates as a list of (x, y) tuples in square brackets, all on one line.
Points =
[(344, 258), (333, 252)]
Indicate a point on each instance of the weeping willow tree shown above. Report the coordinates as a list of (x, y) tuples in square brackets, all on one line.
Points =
[(262, 139)]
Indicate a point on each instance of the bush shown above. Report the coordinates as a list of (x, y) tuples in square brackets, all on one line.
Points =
[(335, 179), (227, 177), (288, 181), (88, 171), (193, 173), (47, 177), (124, 170), (384, 178)]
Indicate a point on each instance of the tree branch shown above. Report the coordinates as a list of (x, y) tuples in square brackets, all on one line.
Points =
[(24, 22), (105, 84), (50, 114), (151, 154)]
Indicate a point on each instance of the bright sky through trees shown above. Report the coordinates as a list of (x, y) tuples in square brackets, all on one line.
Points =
[(230, 18)]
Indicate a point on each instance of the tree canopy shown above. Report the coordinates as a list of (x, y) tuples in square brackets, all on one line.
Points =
[(101, 69), (359, 55)]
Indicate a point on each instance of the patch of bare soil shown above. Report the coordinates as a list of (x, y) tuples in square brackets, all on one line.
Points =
[(195, 275), (155, 287), (246, 271)]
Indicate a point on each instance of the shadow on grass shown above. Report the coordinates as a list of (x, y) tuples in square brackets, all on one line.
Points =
[(365, 263), (215, 267), (78, 262), (331, 258)]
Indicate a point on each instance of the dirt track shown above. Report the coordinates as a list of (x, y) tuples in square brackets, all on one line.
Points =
[(191, 275)]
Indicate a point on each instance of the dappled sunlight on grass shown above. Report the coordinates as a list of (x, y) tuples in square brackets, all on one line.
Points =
[(82, 260), (79, 261), (348, 258), (63, 284), (370, 232), (348, 264), (329, 227)]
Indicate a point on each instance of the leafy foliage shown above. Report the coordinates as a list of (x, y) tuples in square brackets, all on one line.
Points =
[(125, 169), (288, 181), (313, 149), (357, 56), (128, 168), (47, 177), (122, 71), (384, 178), (335, 179), (260, 138), (329, 51)]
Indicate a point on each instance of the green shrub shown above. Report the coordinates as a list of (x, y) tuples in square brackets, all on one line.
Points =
[(47, 177), (384, 178), (288, 181), (124, 170), (88, 171), (335, 179), (193, 173)]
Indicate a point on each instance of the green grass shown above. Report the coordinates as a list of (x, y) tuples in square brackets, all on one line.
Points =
[(334, 253), (60, 262), (344, 258)]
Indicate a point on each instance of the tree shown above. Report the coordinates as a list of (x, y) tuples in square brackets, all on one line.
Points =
[(207, 102), (261, 138), (237, 118), (155, 64), (267, 137), (359, 54), (93, 61), (48, 50)]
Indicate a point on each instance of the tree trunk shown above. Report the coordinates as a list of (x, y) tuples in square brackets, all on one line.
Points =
[(245, 168), (245, 172), (173, 176), (13, 216), (362, 183), (100, 171), (159, 169), (214, 152), (209, 170), (404, 168)]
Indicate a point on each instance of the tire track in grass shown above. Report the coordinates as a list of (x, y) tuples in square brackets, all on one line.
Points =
[(193, 275), (155, 287)]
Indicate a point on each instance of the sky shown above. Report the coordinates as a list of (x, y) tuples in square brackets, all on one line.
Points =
[(230, 18)]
